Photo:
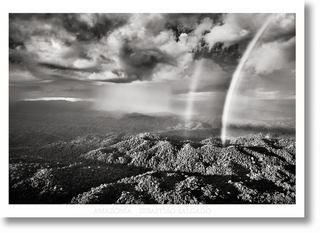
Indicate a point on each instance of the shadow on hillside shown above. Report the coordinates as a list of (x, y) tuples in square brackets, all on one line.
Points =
[(59, 184)]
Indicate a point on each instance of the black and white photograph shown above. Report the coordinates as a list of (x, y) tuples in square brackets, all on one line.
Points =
[(136, 112), (159, 108)]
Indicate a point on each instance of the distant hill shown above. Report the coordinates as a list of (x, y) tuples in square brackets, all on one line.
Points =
[(190, 126)]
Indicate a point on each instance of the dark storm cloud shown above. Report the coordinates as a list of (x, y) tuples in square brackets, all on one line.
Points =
[(21, 62), (21, 57), (15, 42), (118, 80), (100, 25), (59, 67), (35, 72), (19, 35), (117, 72), (84, 55), (186, 22), (220, 54), (178, 22), (105, 59), (140, 62), (191, 18), (15, 58), (31, 16), (178, 29)]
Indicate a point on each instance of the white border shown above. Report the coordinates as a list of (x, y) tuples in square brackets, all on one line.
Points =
[(194, 211)]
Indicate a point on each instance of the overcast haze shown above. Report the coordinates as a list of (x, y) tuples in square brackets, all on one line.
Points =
[(151, 62)]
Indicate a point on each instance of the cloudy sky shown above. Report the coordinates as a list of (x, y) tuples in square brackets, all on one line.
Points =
[(151, 62)]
